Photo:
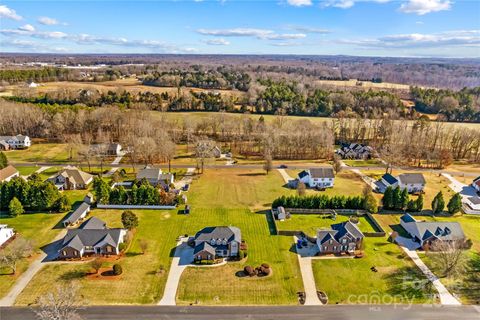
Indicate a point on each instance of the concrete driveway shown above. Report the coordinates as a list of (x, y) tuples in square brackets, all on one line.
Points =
[(305, 263), (286, 177), (182, 258)]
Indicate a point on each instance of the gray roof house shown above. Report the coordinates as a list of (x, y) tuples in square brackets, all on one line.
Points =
[(212, 242), (427, 232), (322, 177), (91, 238), (343, 237), (77, 215), (155, 176), (16, 142), (413, 182)]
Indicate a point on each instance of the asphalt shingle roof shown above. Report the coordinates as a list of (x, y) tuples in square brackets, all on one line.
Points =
[(75, 215), (411, 178)]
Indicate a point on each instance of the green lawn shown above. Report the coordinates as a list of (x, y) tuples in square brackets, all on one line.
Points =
[(363, 163), (26, 171), (40, 152), (39, 228), (350, 281), (49, 172), (310, 223)]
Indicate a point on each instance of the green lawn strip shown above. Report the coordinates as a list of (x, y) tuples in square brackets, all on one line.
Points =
[(26, 171), (40, 152), (49, 172), (363, 163), (350, 281), (37, 227)]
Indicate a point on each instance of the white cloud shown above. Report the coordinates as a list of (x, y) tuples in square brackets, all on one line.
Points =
[(27, 27), (251, 32), (7, 13), (422, 7), (346, 4), (299, 3), (48, 21), (31, 46), (456, 38), (217, 42), (305, 29), (30, 32)]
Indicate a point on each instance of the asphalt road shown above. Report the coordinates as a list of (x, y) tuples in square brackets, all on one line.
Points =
[(236, 166), (333, 312)]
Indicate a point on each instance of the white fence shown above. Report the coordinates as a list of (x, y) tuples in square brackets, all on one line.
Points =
[(127, 206)]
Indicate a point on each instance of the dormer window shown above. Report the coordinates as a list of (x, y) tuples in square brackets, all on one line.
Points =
[(224, 242), (219, 242), (330, 241), (212, 242)]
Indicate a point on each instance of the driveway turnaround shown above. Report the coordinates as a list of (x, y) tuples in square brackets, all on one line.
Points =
[(446, 298), (49, 253), (181, 259)]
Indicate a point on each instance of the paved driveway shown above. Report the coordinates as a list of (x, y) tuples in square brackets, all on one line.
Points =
[(182, 258), (305, 263), (286, 177)]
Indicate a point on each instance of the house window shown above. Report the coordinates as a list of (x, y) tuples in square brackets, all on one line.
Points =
[(109, 249), (325, 248), (344, 240), (334, 248), (75, 253), (330, 241), (64, 252)]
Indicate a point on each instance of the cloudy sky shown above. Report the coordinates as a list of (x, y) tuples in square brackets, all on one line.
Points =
[(422, 28)]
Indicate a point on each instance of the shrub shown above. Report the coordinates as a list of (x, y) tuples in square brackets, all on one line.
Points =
[(249, 271), (15, 207), (129, 220), (265, 271), (96, 265), (122, 246), (265, 265), (117, 269), (241, 255)]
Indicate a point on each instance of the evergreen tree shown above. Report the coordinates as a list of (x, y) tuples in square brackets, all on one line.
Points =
[(397, 201), (15, 207), (129, 220), (388, 198), (419, 203), (3, 160), (102, 190), (455, 203), (404, 199), (438, 203), (370, 203), (411, 206)]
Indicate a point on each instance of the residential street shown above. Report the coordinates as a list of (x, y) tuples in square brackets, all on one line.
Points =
[(327, 312)]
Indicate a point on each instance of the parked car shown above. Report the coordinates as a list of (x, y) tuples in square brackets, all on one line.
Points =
[(187, 209), (186, 187), (283, 166)]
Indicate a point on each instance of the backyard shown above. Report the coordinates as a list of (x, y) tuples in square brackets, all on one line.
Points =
[(40, 152)]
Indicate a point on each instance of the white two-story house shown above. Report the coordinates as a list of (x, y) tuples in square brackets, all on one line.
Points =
[(322, 177)]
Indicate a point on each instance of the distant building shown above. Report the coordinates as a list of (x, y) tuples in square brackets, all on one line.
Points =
[(343, 237), (215, 242), (71, 178), (15, 142), (322, 177), (355, 151), (110, 149), (8, 173), (155, 176), (6, 233), (217, 153), (426, 233)]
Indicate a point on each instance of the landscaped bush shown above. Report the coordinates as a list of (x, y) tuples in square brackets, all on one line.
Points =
[(117, 269), (249, 271), (320, 202), (204, 262), (122, 246)]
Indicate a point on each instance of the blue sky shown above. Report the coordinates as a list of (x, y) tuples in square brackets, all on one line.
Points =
[(438, 28)]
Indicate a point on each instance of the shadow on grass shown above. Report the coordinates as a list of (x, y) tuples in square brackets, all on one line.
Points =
[(270, 222), (72, 275), (410, 283), (59, 224), (133, 254), (256, 174)]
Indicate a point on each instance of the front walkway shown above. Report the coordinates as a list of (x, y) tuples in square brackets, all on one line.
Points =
[(115, 162), (49, 253), (446, 298)]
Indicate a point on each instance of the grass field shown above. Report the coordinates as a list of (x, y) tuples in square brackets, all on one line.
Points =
[(363, 163), (26, 171), (350, 281), (40, 152), (310, 223), (37, 227)]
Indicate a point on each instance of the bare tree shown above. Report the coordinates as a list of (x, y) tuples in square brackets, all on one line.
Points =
[(337, 164), (143, 245), (61, 304), (96, 264), (203, 151), (301, 188), (447, 256), (20, 248), (267, 165)]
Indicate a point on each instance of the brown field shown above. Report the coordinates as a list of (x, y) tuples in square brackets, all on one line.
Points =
[(363, 84)]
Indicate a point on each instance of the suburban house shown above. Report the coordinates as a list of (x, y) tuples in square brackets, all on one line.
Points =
[(15, 142), (91, 238), (217, 153), (155, 176), (111, 149), (8, 173), (476, 184), (71, 178), (215, 242), (77, 215), (6, 233), (426, 233), (343, 237), (413, 182), (322, 177), (354, 151)]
